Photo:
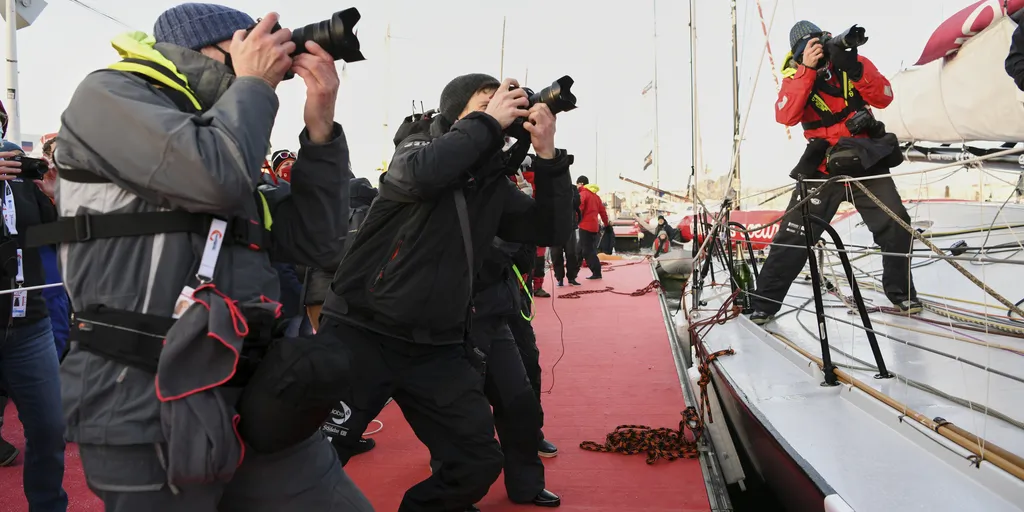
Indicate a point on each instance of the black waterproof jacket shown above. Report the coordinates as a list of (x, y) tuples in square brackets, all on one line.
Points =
[(32, 208), (406, 274), (1015, 59)]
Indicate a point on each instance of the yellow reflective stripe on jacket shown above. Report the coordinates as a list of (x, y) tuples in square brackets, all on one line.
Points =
[(139, 46), (268, 219)]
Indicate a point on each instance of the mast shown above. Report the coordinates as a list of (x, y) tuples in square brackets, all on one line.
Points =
[(13, 112), (657, 159), (693, 98), (735, 107), (501, 67), (385, 147)]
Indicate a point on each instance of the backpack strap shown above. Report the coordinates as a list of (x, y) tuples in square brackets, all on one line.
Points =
[(86, 227)]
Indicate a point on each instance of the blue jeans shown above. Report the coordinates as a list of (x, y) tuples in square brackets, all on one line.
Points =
[(29, 373)]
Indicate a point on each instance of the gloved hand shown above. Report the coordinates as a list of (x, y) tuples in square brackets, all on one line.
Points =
[(846, 60)]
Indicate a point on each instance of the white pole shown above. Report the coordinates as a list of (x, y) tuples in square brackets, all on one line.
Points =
[(13, 117), (657, 150)]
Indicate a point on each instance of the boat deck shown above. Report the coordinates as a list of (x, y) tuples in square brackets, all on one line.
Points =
[(614, 366), (852, 444)]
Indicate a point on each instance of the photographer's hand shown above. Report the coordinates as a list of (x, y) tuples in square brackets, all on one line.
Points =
[(48, 185), (262, 54), (541, 125), (320, 74), (9, 169), (813, 53), (508, 105)]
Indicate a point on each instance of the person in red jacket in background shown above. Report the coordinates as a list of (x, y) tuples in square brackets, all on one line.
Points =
[(591, 208), (829, 89)]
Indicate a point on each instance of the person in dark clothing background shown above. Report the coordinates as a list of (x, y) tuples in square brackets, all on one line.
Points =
[(847, 83), (1015, 58), (401, 298), (564, 258), (29, 371), (506, 384), (526, 340)]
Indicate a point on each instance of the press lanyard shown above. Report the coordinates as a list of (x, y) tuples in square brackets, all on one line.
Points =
[(528, 294), (207, 265), (19, 297)]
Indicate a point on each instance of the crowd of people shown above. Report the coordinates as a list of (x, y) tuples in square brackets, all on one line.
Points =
[(239, 320), (174, 228)]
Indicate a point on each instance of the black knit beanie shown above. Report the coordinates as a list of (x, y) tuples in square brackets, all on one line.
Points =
[(458, 92)]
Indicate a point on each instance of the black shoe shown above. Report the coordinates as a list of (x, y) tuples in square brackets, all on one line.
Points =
[(546, 449), (595, 276), (541, 293), (560, 283), (472, 508), (574, 282), (364, 446), (761, 318), (7, 453), (547, 498), (910, 306)]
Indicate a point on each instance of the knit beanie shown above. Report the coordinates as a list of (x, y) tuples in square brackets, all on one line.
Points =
[(798, 35), (458, 92), (6, 145), (196, 26)]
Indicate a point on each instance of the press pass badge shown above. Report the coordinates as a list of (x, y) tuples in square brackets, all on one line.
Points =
[(19, 298), (211, 252)]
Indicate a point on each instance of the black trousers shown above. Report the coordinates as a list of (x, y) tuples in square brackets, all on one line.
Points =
[(588, 245), (441, 396), (785, 263), (565, 260), (516, 409), (529, 353)]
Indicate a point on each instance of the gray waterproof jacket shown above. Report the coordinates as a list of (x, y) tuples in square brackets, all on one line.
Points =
[(159, 158)]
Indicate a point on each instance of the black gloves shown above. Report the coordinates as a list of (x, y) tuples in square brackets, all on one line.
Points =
[(846, 60)]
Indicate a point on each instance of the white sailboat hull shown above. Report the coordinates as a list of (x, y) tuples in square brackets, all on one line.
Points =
[(849, 443)]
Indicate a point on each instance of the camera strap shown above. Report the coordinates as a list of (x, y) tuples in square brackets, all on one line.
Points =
[(19, 297)]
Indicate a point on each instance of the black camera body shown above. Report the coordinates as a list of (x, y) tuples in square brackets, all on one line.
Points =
[(31, 168), (556, 96), (864, 122), (336, 35), (852, 38)]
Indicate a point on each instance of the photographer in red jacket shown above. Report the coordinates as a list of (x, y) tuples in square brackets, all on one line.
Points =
[(828, 88)]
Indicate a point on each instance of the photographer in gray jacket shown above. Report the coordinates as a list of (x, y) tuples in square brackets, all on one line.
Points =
[(166, 253)]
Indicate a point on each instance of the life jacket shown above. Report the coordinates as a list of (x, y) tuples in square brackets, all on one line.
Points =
[(141, 59), (826, 117)]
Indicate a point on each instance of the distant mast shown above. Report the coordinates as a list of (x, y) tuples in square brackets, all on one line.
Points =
[(735, 171), (657, 159)]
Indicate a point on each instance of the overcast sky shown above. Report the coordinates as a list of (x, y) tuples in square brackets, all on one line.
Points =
[(607, 47)]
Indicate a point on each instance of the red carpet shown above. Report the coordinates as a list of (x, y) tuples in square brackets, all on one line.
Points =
[(617, 369)]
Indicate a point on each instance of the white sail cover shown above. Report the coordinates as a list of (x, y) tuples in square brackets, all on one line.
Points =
[(965, 98)]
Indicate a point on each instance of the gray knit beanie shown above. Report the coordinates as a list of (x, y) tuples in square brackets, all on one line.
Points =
[(801, 30), (196, 26), (459, 91)]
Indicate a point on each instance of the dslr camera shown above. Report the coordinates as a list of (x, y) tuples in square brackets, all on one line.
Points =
[(556, 96), (31, 168), (852, 38), (335, 35)]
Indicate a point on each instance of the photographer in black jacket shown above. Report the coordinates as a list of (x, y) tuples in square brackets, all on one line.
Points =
[(401, 299), (29, 370)]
